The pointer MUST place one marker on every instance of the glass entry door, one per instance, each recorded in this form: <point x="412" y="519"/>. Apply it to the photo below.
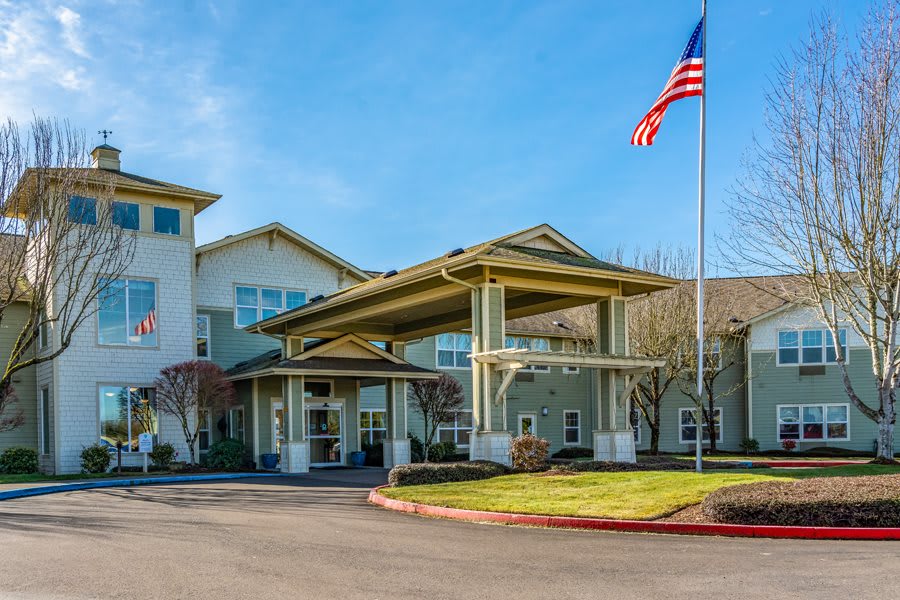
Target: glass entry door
<point x="324" y="430"/>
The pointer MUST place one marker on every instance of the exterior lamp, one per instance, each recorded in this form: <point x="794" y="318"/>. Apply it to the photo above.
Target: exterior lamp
<point x="545" y="411"/>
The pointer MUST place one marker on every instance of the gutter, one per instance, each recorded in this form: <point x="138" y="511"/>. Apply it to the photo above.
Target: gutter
<point x="446" y="275"/>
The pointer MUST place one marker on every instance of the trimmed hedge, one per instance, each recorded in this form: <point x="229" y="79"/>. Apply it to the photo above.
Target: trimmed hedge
<point x="574" y="452"/>
<point x="228" y="455"/>
<point x="428" y="473"/>
<point x="19" y="460"/>
<point x="655" y="463"/>
<point x="867" y="501"/>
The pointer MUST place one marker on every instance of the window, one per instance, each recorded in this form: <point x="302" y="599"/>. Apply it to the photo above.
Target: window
<point x="573" y="347"/>
<point x="809" y="346"/>
<point x="203" y="336"/>
<point x="166" y="220"/>
<point x="636" y="423"/>
<point x="453" y="350"/>
<point x="372" y="427"/>
<point x="126" y="215"/>
<point x="457" y="430"/>
<point x="572" y="427"/>
<point x="43" y="332"/>
<point x="127" y="314"/>
<point x="125" y="413"/>
<point x="253" y="304"/>
<point x="530" y="343"/>
<point x="813" y="422"/>
<point x="204" y="430"/>
<point x="236" y="423"/>
<point x="317" y="389"/>
<point x="83" y="210"/>
<point x="687" y="433"/>
<point x="715" y="356"/>
<point x="45" y="420"/>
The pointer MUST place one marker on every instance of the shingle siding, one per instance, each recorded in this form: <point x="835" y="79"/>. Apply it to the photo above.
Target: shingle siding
<point x="24" y="382"/>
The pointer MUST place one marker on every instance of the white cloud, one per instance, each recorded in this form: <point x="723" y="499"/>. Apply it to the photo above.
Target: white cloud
<point x="70" y="21"/>
<point x="765" y="12"/>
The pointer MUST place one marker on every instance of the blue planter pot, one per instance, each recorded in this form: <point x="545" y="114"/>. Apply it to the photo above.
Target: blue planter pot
<point x="358" y="459"/>
<point x="269" y="461"/>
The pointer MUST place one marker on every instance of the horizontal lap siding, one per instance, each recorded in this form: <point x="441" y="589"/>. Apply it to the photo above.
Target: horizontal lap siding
<point x="24" y="382"/>
<point x="231" y="345"/>
<point x="774" y="385"/>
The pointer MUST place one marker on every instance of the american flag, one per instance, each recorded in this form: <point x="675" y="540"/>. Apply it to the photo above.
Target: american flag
<point x="148" y="325"/>
<point x="686" y="80"/>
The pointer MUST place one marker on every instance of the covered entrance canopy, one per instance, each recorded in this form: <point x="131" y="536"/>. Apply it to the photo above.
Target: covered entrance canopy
<point x="479" y="288"/>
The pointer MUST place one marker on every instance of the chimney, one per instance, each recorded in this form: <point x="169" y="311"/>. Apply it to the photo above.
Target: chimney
<point x="106" y="157"/>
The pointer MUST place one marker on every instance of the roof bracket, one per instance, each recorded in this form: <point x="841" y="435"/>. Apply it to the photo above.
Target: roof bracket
<point x="508" y="378"/>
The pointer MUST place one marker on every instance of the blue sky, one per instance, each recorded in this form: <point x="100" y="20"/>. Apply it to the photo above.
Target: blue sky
<point x="390" y="132"/>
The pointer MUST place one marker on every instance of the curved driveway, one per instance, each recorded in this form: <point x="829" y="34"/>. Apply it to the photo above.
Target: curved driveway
<point x="316" y="537"/>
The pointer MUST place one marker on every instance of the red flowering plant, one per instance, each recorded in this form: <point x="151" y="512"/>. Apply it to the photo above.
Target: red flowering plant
<point x="788" y="445"/>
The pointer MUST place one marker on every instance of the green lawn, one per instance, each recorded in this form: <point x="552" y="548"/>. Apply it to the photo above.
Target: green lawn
<point x="765" y="457"/>
<point x="641" y="495"/>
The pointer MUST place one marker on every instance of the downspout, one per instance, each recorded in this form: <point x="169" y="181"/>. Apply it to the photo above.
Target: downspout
<point x="446" y="275"/>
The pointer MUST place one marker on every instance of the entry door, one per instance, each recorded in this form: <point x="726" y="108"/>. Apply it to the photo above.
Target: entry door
<point x="277" y="427"/>
<point x="325" y="433"/>
<point x="527" y="423"/>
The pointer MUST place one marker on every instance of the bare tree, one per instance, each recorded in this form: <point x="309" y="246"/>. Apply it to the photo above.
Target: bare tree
<point x="55" y="260"/>
<point x="720" y="354"/>
<point x="436" y="400"/>
<point x="188" y="389"/>
<point x="659" y="325"/>
<point x="821" y="196"/>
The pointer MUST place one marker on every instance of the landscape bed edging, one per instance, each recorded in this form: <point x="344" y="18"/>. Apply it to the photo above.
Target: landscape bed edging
<point x="106" y="483"/>
<point x="718" y="529"/>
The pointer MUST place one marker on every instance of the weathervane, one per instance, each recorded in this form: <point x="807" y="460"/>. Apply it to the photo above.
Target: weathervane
<point x="104" y="133"/>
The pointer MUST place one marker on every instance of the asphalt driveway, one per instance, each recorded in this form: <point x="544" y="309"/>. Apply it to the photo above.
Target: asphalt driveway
<point x="316" y="537"/>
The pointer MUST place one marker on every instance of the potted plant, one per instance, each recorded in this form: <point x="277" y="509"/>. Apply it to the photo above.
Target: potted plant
<point x="358" y="458"/>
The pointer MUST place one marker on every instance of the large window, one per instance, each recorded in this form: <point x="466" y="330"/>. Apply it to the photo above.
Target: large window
<point x="127" y="315"/>
<point x="236" y="423"/>
<point x="571" y="427"/>
<point x="372" y="426"/>
<point x="253" y="304"/>
<point x="457" y="430"/>
<point x="125" y="413"/>
<point x="83" y="210"/>
<point x="809" y="346"/>
<point x="529" y="343"/>
<point x="45" y="421"/>
<point x="804" y="422"/>
<point x="203" y="336"/>
<point x="453" y="350"/>
<point x="126" y="215"/>
<point x="687" y="433"/>
<point x="166" y="220"/>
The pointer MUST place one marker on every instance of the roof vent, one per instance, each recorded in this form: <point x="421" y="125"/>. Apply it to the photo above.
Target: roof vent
<point x="315" y="298"/>
<point x="456" y="252"/>
<point x="390" y="273"/>
<point x="106" y="157"/>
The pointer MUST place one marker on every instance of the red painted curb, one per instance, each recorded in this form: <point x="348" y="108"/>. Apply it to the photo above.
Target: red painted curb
<point x="723" y="529"/>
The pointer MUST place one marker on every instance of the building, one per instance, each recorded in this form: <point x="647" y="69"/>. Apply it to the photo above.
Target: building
<point x="321" y="351"/>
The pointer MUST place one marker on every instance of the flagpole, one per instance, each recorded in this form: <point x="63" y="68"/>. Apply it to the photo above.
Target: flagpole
<point x="698" y="419"/>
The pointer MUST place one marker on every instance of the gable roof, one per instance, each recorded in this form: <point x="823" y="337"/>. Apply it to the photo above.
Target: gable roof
<point x="509" y="249"/>
<point x="275" y="230"/>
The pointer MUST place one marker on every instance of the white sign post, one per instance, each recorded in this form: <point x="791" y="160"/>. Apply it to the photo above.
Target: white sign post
<point x="145" y="446"/>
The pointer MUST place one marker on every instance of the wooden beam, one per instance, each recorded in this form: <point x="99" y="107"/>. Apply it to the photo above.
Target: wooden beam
<point x="507" y="380"/>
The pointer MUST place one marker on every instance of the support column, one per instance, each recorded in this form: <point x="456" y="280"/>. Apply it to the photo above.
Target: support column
<point x="396" y="445"/>
<point x="610" y="442"/>
<point x="489" y="440"/>
<point x="295" y="450"/>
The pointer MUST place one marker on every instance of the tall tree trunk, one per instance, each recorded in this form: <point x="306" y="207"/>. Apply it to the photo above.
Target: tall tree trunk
<point x="654" y="432"/>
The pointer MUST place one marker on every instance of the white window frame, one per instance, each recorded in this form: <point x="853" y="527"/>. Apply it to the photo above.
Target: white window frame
<point x="570" y="346"/>
<point x="126" y="449"/>
<point x="259" y="306"/>
<point x="206" y="337"/>
<point x="231" y="425"/>
<point x="44" y="442"/>
<point x="532" y="416"/>
<point x="531" y="368"/>
<point x="204" y="426"/>
<point x="368" y="430"/>
<point x="800" y="363"/>
<point x="702" y="426"/>
<point x="637" y="428"/>
<point x="43" y="332"/>
<point x="577" y="428"/>
<point x="129" y="327"/>
<point x="456" y="428"/>
<point x="824" y="407"/>
<point x="438" y="349"/>
<point x="717" y="351"/>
